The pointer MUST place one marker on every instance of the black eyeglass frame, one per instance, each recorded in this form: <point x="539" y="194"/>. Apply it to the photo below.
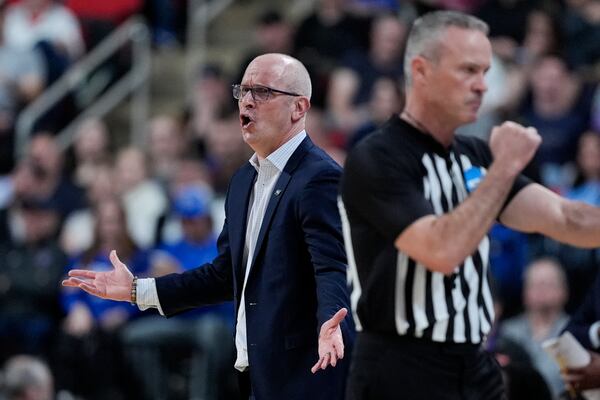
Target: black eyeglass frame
<point x="238" y="88"/>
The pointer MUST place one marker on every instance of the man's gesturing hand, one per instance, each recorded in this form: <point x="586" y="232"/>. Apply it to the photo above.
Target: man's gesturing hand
<point x="331" y="342"/>
<point x="113" y="285"/>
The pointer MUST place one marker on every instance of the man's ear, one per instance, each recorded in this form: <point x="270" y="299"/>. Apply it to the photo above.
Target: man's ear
<point x="301" y="107"/>
<point x="419" y="68"/>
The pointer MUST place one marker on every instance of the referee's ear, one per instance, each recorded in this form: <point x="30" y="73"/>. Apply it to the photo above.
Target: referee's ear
<point x="419" y="66"/>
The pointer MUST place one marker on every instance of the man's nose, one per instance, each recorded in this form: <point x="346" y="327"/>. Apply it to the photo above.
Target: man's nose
<point x="480" y="85"/>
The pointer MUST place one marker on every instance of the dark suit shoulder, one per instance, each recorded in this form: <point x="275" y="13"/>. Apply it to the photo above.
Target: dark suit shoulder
<point x="317" y="161"/>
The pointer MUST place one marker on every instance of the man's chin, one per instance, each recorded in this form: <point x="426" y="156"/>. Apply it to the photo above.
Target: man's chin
<point x="246" y="132"/>
<point x="470" y="117"/>
<point x="248" y="136"/>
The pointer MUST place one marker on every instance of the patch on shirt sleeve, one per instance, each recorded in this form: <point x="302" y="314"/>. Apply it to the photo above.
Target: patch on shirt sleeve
<point x="473" y="176"/>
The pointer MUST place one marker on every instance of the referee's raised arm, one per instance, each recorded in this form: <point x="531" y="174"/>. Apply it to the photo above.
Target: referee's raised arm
<point x="442" y="242"/>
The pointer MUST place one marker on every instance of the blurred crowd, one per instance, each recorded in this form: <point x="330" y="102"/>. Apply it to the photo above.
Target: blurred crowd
<point x="160" y="206"/>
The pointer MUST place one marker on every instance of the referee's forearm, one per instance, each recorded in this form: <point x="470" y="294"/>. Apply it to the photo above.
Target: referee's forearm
<point x="462" y="229"/>
<point x="581" y="227"/>
<point x="441" y="243"/>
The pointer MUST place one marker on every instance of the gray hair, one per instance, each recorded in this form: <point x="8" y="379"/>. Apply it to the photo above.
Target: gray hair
<point x="426" y="34"/>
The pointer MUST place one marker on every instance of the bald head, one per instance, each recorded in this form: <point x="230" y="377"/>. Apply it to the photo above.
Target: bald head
<point x="287" y="72"/>
<point x="269" y="121"/>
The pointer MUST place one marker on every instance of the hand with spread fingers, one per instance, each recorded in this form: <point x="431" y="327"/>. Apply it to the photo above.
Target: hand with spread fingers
<point x="112" y="285"/>
<point x="331" y="342"/>
<point x="584" y="378"/>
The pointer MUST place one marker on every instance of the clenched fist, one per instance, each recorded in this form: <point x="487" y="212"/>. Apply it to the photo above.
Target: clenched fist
<point x="513" y="146"/>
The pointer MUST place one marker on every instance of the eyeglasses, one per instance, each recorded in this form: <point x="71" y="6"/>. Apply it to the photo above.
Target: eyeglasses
<point x="259" y="93"/>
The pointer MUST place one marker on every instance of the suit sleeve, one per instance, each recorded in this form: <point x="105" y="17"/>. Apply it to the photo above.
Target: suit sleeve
<point x="211" y="283"/>
<point x="322" y="230"/>
<point x="586" y="315"/>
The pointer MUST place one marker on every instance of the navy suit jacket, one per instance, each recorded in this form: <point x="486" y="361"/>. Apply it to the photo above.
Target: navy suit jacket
<point x="586" y="315"/>
<point x="297" y="279"/>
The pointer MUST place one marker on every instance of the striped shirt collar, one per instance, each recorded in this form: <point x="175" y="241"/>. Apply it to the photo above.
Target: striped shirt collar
<point x="280" y="157"/>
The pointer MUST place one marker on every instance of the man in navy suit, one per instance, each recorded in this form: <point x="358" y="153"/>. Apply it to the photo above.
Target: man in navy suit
<point x="281" y="255"/>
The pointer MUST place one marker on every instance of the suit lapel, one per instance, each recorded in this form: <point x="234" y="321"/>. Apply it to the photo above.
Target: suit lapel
<point x="239" y="199"/>
<point x="278" y="192"/>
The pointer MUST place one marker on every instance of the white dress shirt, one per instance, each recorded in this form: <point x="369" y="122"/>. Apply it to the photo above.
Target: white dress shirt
<point x="269" y="170"/>
<point x="593" y="333"/>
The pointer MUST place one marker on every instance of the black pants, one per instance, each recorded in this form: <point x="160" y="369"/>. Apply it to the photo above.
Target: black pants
<point x="246" y="392"/>
<point x="393" y="367"/>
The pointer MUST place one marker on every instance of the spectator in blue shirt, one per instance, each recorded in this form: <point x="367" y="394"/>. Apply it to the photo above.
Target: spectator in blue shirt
<point x="89" y="346"/>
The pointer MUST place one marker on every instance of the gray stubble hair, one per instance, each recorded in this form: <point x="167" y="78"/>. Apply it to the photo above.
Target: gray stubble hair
<point x="426" y="34"/>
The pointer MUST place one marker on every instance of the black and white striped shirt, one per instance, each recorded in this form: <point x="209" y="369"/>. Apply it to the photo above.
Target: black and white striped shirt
<point x="392" y="178"/>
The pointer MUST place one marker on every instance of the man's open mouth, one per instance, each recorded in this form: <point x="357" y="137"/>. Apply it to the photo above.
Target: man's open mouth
<point x="246" y="120"/>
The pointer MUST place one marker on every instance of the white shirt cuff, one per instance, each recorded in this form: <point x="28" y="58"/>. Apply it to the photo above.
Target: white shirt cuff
<point x="147" y="296"/>
<point x="593" y="334"/>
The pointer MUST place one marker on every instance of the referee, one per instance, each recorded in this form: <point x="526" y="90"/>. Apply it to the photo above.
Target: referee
<point x="417" y="202"/>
